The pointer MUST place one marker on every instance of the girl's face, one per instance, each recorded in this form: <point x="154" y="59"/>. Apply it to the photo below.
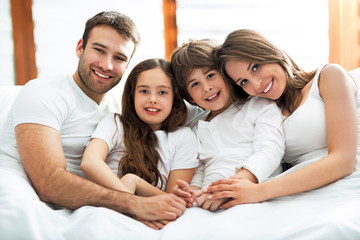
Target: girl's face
<point x="153" y="97"/>
<point x="208" y="89"/>
<point x="266" y="81"/>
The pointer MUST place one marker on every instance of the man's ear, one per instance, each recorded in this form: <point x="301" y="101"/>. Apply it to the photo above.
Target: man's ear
<point x="79" y="48"/>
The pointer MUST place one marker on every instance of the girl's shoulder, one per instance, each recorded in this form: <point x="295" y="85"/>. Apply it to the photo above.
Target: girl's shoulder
<point x="182" y="132"/>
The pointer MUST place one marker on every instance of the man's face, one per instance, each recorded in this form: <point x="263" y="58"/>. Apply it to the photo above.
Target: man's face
<point x="103" y="61"/>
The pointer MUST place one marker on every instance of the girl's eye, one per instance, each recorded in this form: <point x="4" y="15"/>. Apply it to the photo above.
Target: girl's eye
<point x="162" y="92"/>
<point x="255" y="67"/>
<point x="143" y="91"/>
<point x="194" y="84"/>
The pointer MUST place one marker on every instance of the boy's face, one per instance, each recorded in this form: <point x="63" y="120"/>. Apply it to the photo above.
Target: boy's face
<point x="208" y="89"/>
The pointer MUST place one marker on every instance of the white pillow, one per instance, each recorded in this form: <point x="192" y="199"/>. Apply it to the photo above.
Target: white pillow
<point x="7" y="97"/>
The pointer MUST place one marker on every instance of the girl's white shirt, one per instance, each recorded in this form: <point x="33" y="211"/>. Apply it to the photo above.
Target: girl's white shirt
<point x="178" y="149"/>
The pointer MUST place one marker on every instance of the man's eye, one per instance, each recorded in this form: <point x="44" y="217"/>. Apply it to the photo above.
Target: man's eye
<point x="99" y="50"/>
<point x="120" y="59"/>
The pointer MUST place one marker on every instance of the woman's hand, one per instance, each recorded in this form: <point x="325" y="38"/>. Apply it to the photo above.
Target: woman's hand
<point x="238" y="190"/>
<point x="207" y="203"/>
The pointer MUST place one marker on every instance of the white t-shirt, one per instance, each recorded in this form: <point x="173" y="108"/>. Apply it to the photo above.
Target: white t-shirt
<point x="60" y="104"/>
<point x="246" y="135"/>
<point x="178" y="149"/>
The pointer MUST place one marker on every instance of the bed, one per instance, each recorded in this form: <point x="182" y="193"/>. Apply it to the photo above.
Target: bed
<point x="331" y="212"/>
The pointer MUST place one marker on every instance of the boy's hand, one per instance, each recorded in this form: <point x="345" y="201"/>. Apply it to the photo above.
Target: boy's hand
<point x="182" y="189"/>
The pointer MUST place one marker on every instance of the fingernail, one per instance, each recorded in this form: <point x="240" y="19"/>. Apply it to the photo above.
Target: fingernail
<point x="209" y="197"/>
<point x="204" y="189"/>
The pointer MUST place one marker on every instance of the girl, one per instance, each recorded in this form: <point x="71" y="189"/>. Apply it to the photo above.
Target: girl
<point x="320" y="110"/>
<point x="145" y="145"/>
<point x="234" y="137"/>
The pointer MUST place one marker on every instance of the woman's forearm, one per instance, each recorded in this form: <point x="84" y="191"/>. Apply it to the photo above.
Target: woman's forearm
<point x="327" y="170"/>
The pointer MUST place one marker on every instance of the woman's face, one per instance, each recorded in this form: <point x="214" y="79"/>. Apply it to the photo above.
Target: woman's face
<point x="266" y="81"/>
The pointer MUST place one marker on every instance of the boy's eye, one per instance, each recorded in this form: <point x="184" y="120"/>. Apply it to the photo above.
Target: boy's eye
<point x="211" y="75"/>
<point x="255" y="67"/>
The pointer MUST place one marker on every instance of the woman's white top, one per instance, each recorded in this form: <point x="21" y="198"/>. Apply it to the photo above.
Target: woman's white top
<point x="178" y="149"/>
<point x="305" y="129"/>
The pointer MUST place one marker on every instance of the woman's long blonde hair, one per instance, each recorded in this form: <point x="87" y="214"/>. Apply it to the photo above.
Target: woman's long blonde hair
<point x="140" y="140"/>
<point x="248" y="45"/>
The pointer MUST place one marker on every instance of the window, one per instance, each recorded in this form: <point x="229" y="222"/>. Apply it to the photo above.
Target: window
<point x="6" y="46"/>
<point x="299" y="27"/>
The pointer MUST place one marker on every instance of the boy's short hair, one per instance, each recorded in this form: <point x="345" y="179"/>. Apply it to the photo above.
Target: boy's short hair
<point x="189" y="56"/>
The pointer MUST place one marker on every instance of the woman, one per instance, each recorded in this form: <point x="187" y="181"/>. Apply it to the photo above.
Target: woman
<point x="320" y="110"/>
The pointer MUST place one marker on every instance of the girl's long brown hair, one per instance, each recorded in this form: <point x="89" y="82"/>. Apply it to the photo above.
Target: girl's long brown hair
<point x="140" y="140"/>
<point x="248" y="45"/>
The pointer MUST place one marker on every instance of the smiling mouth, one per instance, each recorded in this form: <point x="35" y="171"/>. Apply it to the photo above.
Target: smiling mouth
<point x="152" y="109"/>
<point x="268" y="87"/>
<point x="101" y="75"/>
<point x="213" y="96"/>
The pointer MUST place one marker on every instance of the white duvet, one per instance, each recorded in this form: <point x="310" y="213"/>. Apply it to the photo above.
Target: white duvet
<point x="331" y="212"/>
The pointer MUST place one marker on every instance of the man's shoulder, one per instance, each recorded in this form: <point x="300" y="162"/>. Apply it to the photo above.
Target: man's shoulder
<point x="55" y="82"/>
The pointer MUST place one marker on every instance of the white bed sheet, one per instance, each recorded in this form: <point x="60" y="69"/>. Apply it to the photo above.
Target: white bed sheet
<point x="331" y="212"/>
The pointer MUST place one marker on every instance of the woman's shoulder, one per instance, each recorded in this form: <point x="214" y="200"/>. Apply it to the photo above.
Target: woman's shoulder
<point x="332" y="68"/>
<point x="334" y="76"/>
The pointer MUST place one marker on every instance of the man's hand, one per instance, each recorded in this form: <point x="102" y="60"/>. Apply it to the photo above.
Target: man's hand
<point x="160" y="207"/>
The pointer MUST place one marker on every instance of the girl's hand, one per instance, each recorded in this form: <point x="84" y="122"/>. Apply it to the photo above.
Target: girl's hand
<point x="238" y="190"/>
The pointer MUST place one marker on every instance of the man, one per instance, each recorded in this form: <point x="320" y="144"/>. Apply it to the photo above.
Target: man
<point x="53" y="120"/>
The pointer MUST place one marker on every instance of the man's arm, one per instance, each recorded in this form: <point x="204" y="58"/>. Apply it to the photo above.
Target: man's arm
<point x="43" y="158"/>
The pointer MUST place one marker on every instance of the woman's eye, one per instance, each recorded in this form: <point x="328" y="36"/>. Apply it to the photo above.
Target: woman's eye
<point x="255" y="67"/>
<point x="243" y="82"/>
